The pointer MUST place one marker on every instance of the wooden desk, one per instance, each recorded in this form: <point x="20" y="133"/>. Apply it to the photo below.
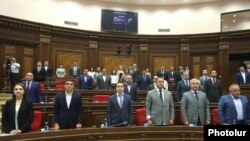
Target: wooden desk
<point x="96" y="112"/>
<point x="163" y="133"/>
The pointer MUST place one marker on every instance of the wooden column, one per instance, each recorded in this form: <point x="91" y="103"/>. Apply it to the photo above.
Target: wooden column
<point x="184" y="53"/>
<point x="44" y="49"/>
<point x="223" y="63"/>
<point x="144" y="59"/>
<point x="93" y="56"/>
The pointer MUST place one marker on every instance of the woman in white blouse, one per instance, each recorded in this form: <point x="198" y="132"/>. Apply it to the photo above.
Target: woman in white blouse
<point x="114" y="77"/>
<point x="18" y="113"/>
<point x="60" y="72"/>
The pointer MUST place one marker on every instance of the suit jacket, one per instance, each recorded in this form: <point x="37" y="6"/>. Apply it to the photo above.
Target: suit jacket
<point x="181" y="88"/>
<point x="203" y="80"/>
<point x="103" y="85"/>
<point x="39" y="76"/>
<point x="151" y="86"/>
<point x="88" y="84"/>
<point x="135" y="75"/>
<point x="239" y="78"/>
<point x="34" y="93"/>
<point x="213" y="91"/>
<point x="117" y="115"/>
<point x="132" y="92"/>
<point x="68" y="117"/>
<point x="227" y="110"/>
<point x="143" y="84"/>
<point x="159" y="112"/>
<point x="191" y="109"/>
<point x="165" y="75"/>
<point x="71" y="71"/>
<point x="24" y="118"/>
<point x="48" y="72"/>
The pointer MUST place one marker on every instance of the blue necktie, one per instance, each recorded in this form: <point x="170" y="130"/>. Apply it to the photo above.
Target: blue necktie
<point x="196" y="96"/>
<point x="161" y="96"/>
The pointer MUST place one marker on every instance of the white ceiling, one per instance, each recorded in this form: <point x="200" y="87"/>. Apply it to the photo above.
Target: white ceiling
<point x="156" y="2"/>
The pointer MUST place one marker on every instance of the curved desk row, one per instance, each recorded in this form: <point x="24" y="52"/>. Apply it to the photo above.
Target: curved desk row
<point x="160" y="133"/>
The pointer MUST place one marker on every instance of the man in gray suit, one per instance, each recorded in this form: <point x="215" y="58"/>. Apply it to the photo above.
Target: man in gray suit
<point x="103" y="81"/>
<point x="195" y="106"/>
<point x="159" y="105"/>
<point x="203" y="79"/>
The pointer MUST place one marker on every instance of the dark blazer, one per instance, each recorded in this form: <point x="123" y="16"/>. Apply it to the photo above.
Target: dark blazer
<point x="132" y="92"/>
<point x="239" y="78"/>
<point x="227" y="110"/>
<point x="68" y="117"/>
<point x="103" y="85"/>
<point x="135" y="75"/>
<point x="88" y="84"/>
<point x="34" y="93"/>
<point x="143" y="84"/>
<point x="213" y="91"/>
<point x="165" y="75"/>
<point x="117" y="115"/>
<point x="71" y="71"/>
<point x="181" y="88"/>
<point x="25" y="116"/>
<point x="48" y="72"/>
<point x="39" y="76"/>
<point x="151" y="86"/>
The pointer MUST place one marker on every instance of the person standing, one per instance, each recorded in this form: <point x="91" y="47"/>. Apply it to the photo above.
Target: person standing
<point x="195" y="105"/>
<point x="39" y="72"/>
<point x="159" y="105"/>
<point x="182" y="86"/>
<point x="13" y="73"/>
<point x="18" y="113"/>
<point x="68" y="108"/>
<point x="119" y="110"/>
<point x="203" y="79"/>
<point x="213" y="88"/>
<point x="130" y="88"/>
<point x="103" y="81"/>
<point x="232" y="108"/>
<point x="74" y="70"/>
<point x="33" y="90"/>
<point x="48" y="70"/>
<point x="85" y="81"/>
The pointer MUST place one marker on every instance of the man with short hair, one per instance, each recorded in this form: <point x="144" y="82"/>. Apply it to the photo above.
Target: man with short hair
<point x="159" y="105"/>
<point x="119" y="110"/>
<point x="68" y="108"/>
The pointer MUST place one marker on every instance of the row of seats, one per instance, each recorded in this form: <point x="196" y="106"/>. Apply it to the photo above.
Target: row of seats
<point x="140" y="118"/>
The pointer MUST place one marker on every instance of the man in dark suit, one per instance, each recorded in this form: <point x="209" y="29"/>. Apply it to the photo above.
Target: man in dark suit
<point x="153" y="85"/>
<point x="135" y="73"/>
<point x="85" y="81"/>
<point x="203" y="79"/>
<point x="182" y="86"/>
<point x="119" y="110"/>
<point x="163" y="73"/>
<point x="68" y="108"/>
<point x="74" y="70"/>
<point x="103" y="81"/>
<point x="48" y="70"/>
<point x="232" y="108"/>
<point x="213" y="88"/>
<point x="39" y="72"/>
<point x="144" y="81"/>
<point x="33" y="90"/>
<point x="173" y="75"/>
<point x="159" y="105"/>
<point x="242" y="77"/>
<point x="130" y="88"/>
<point x="194" y="105"/>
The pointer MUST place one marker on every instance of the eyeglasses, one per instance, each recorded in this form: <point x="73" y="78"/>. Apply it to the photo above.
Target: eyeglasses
<point x="69" y="83"/>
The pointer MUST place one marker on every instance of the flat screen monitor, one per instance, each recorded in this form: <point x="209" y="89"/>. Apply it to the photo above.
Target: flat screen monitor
<point x="119" y="21"/>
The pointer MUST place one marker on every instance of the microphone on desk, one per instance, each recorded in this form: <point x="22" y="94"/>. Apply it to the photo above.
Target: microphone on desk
<point x="123" y="124"/>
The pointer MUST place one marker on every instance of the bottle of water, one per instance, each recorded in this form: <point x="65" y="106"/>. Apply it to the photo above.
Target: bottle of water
<point x="234" y="122"/>
<point x="194" y="122"/>
<point x="46" y="126"/>
<point x="105" y="123"/>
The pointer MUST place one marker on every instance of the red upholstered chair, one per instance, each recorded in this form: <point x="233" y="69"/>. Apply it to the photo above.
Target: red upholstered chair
<point x="101" y="98"/>
<point x="215" y="117"/>
<point x="140" y="116"/>
<point x="42" y="87"/>
<point x="59" y="87"/>
<point x="60" y="80"/>
<point x="37" y="121"/>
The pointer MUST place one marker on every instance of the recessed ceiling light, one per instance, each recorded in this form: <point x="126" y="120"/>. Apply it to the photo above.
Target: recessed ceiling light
<point x="234" y="21"/>
<point x="235" y="15"/>
<point x="225" y="26"/>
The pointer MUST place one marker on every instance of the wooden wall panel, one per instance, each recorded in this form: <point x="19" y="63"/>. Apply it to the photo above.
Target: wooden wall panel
<point x="67" y="59"/>
<point x="111" y="62"/>
<point x="167" y="62"/>
<point x="27" y="66"/>
<point x="196" y="71"/>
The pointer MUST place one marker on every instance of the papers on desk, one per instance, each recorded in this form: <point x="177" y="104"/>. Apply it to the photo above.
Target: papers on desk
<point x="5" y="134"/>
